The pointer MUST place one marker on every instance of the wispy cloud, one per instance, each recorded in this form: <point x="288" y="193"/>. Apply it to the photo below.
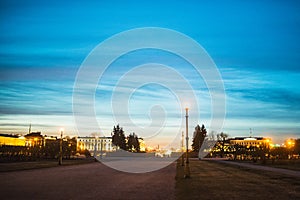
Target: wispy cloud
<point x="36" y="97"/>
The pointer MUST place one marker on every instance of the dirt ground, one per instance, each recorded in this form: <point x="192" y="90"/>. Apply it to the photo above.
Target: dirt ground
<point x="16" y="166"/>
<point x="87" y="181"/>
<point x="209" y="180"/>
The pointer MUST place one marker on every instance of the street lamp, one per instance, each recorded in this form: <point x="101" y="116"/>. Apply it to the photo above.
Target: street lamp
<point x="95" y="148"/>
<point x="60" y="147"/>
<point x="101" y="148"/>
<point x="182" y="149"/>
<point x="187" y="163"/>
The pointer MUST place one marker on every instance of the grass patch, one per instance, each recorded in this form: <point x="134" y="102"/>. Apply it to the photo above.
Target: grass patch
<point x="292" y="164"/>
<point x="213" y="180"/>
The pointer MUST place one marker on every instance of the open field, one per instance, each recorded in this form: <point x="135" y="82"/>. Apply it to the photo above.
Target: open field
<point x="293" y="164"/>
<point x="16" y="166"/>
<point x="209" y="180"/>
<point x="88" y="181"/>
<point x="215" y="180"/>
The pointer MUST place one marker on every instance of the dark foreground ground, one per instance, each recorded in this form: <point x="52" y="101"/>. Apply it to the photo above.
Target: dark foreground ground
<point x="209" y="180"/>
<point x="87" y="181"/>
<point x="221" y="180"/>
<point x="16" y="166"/>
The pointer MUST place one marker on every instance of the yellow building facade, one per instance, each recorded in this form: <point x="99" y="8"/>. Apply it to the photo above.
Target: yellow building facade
<point x="12" y="140"/>
<point x="251" y="141"/>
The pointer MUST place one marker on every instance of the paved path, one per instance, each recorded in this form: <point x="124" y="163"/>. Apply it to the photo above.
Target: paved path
<point x="265" y="168"/>
<point x="88" y="181"/>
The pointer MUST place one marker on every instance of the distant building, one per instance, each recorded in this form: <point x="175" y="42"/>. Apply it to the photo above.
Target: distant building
<point x="34" y="139"/>
<point x="251" y="141"/>
<point x="11" y="140"/>
<point x="142" y="144"/>
<point x="103" y="144"/>
<point x="289" y="143"/>
<point x="49" y="139"/>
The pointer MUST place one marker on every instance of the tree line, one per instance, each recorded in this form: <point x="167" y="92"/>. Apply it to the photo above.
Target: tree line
<point x="130" y="143"/>
<point x="223" y="148"/>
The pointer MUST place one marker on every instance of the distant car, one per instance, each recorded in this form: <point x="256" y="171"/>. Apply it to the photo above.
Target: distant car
<point x="167" y="153"/>
<point x="158" y="154"/>
<point x="163" y="154"/>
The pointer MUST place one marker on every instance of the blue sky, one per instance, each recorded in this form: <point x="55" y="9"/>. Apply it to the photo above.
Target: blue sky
<point x="255" y="45"/>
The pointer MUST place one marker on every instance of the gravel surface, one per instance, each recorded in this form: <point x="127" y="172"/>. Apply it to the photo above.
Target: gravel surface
<point x="88" y="181"/>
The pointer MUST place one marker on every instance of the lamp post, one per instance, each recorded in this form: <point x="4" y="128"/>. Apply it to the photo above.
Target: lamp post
<point x="60" y="147"/>
<point x="187" y="163"/>
<point x="101" y="148"/>
<point x="182" y="149"/>
<point x="95" y="148"/>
